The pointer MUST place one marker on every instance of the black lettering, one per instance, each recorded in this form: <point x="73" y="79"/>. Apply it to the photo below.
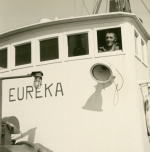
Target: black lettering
<point x="47" y="88"/>
<point x="29" y="91"/>
<point x="19" y="93"/>
<point x="10" y="95"/>
<point x="59" y="90"/>
<point x="37" y="93"/>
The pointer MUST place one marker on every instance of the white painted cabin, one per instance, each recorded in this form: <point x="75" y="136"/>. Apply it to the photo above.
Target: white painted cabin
<point x="72" y="111"/>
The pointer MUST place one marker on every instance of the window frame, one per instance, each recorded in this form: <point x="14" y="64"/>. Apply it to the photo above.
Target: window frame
<point x="47" y="37"/>
<point x="139" y="55"/>
<point x="90" y="41"/>
<point x="8" y="58"/>
<point x="144" y="52"/>
<point x="137" y="43"/>
<point x="14" y="67"/>
<point x="114" y="53"/>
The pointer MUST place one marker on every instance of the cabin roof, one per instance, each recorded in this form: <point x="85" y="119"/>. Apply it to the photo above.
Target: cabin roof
<point x="76" y="19"/>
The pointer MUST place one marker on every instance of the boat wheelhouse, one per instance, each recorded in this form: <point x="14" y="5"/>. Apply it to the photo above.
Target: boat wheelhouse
<point x="90" y="100"/>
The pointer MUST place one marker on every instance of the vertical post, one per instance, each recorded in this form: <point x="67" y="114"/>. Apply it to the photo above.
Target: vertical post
<point x="0" y="111"/>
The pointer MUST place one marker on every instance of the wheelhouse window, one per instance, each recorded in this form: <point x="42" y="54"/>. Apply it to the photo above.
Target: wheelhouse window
<point x="78" y="45"/>
<point x="23" y="54"/>
<point x="3" y="58"/>
<point x="49" y="49"/>
<point x="142" y="50"/>
<point x="136" y="42"/>
<point x="109" y="40"/>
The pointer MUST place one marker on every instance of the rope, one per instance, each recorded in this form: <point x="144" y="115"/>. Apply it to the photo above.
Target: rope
<point x="120" y="76"/>
<point x="94" y="6"/>
<point x="85" y="7"/>
<point x="116" y="87"/>
<point x="145" y="6"/>
<point x="82" y="9"/>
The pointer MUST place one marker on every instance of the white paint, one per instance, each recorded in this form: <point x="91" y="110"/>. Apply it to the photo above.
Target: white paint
<point x="87" y="117"/>
<point x="44" y="20"/>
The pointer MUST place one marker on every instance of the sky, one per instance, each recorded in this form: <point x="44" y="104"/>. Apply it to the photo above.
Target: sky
<point x="18" y="13"/>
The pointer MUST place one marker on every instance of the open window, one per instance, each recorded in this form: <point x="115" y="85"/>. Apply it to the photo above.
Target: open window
<point x="109" y="40"/>
<point x="78" y="45"/>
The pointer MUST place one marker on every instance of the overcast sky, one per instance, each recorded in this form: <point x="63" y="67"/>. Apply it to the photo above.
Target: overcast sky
<point x="18" y="13"/>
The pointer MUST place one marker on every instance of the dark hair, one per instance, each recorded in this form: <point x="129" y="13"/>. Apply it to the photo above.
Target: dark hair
<point x="111" y="31"/>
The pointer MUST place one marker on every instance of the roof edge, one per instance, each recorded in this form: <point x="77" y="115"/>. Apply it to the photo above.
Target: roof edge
<point x="76" y="19"/>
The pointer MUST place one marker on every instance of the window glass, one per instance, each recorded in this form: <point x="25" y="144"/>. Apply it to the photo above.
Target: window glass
<point x="113" y="7"/>
<point x="3" y="59"/>
<point x="49" y="49"/>
<point x="119" y="5"/>
<point x="78" y="45"/>
<point x="109" y="40"/>
<point x="23" y="54"/>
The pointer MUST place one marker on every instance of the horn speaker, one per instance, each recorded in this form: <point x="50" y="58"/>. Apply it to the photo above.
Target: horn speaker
<point x="101" y="72"/>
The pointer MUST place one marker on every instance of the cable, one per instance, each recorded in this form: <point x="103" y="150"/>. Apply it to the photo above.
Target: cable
<point x="85" y="7"/>
<point x="116" y="86"/>
<point x="97" y="6"/>
<point x="121" y="77"/>
<point x="82" y="9"/>
<point x="75" y="6"/>
<point x="145" y="6"/>
<point x="94" y="6"/>
<point x="116" y="90"/>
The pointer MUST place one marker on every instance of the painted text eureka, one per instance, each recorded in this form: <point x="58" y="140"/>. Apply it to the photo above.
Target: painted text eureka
<point x="28" y="92"/>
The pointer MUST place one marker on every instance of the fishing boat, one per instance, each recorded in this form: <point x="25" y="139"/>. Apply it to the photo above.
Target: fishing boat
<point x="76" y="84"/>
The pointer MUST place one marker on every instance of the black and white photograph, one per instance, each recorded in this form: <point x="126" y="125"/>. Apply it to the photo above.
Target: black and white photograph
<point x="75" y="76"/>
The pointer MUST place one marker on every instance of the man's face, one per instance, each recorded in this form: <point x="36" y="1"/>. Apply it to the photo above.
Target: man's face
<point x="110" y="39"/>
